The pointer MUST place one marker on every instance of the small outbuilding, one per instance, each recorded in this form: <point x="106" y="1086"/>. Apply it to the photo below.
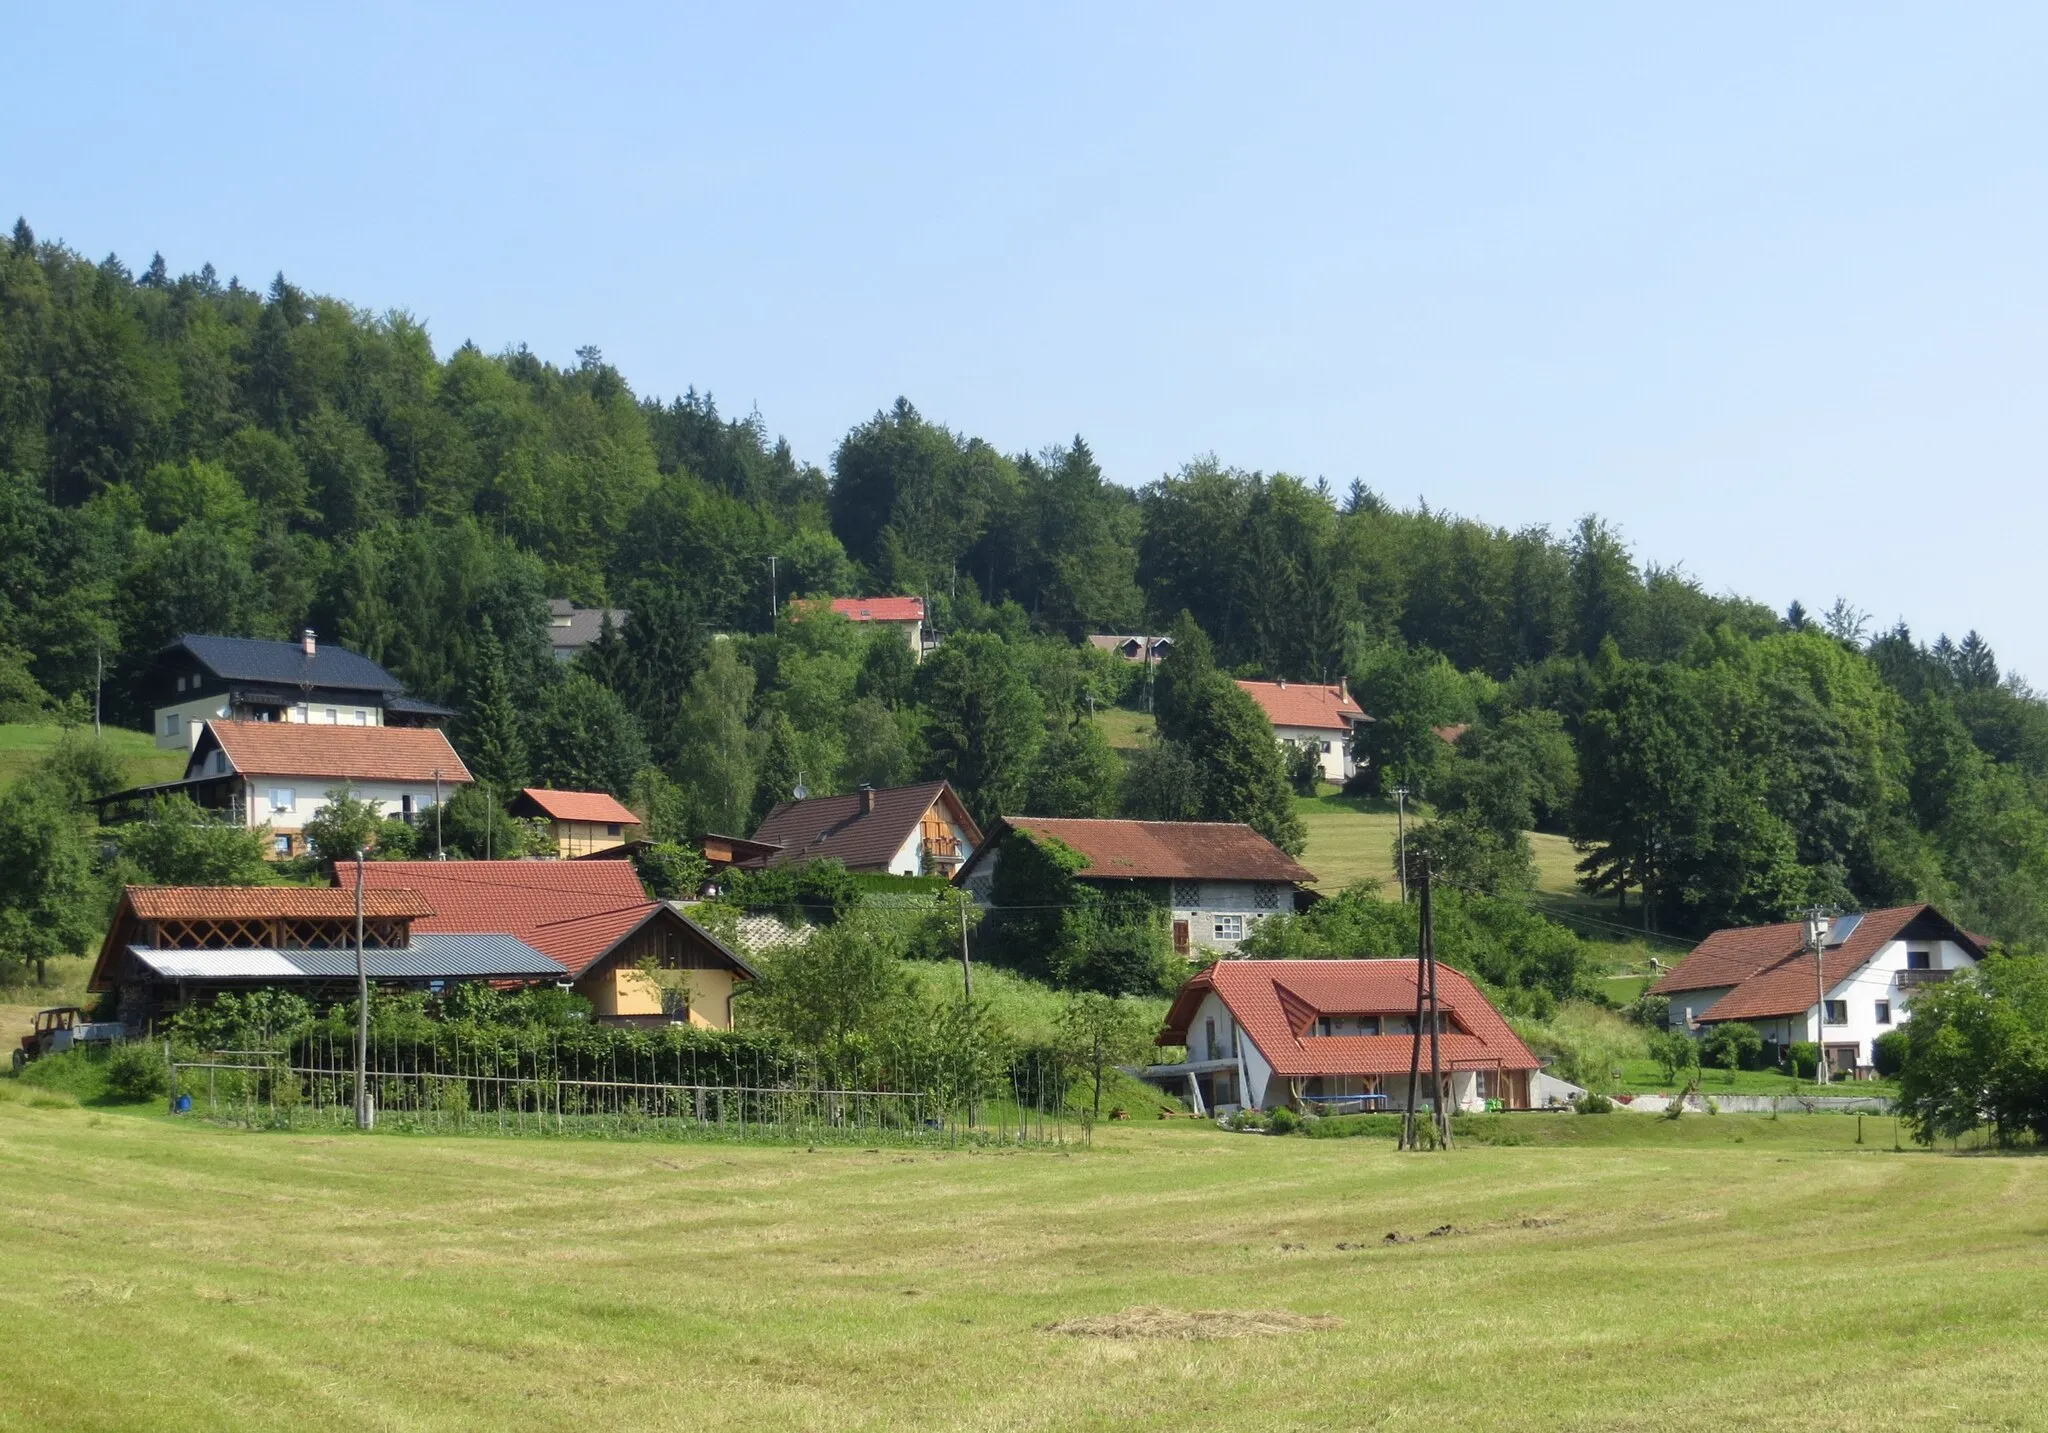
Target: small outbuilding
<point x="583" y="823"/>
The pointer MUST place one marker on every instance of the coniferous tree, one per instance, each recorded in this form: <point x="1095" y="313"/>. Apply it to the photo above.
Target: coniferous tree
<point x="494" y="746"/>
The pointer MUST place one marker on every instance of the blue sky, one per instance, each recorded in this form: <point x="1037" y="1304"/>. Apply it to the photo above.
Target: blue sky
<point x="1764" y="286"/>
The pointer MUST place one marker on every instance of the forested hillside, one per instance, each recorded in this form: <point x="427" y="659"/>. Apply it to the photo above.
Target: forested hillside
<point x="186" y="454"/>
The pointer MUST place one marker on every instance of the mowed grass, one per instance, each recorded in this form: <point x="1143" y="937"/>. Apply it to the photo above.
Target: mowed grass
<point x="1126" y="730"/>
<point x="1622" y="1272"/>
<point x="24" y="744"/>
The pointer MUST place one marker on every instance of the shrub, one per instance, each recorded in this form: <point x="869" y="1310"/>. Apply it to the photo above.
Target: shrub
<point x="1675" y="1052"/>
<point x="1595" y="1104"/>
<point x="1284" y="1121"/>
<point x="136" y="1072"/>
<point x="1803" y="1057"/>
<point x="1652" y="1012"/>
<point x="1888" y="1052"/>
<point x="1733" y="1046"/>
<point x="1246" y="1119"/>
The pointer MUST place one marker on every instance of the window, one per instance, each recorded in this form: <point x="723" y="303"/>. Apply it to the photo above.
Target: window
<point x="1918" y="960"/>
<point x="1209" y="1027"/>
<point x="1834" y="1012"/>
<point x="1187" y="894"/>
<point x="170" y="723"/>
<point x="1229" y="927"/>
<point x="282" y="845"/>
<point x="362" y="717"/>
<point x="1266" y="896"/>
<point x="1326" y="748"/>
<point x="405" y="806"/>
<point x="333" y="716"/>
<point x="1884" y="1012"/>
<point x="611" y="828"/>
<point x="181" y="684"/>
<point x="282" y="798"/>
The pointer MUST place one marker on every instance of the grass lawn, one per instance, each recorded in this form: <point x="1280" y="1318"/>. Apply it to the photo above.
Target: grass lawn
<point x="1126" y="730"/>
<point x="21" y="746"/>
<point x="1617" y="1272"/>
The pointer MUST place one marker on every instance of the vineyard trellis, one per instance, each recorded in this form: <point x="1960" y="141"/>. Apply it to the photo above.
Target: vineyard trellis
<point x="547" y="1086"/>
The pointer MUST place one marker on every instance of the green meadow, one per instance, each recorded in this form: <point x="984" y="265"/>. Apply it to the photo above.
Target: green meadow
<point x="1580" y="1272"/>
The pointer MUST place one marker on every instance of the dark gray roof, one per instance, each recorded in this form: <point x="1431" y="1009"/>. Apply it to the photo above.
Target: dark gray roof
<point x="835" y="827"/>
<point x="246" y="659"/>
<point x="417" y="706"/>
<point x="571" y="627"/>
<point x="429" y="957"/>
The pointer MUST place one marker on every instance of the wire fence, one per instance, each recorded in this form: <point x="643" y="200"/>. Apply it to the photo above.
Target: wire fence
<point x="544" y="1087"/>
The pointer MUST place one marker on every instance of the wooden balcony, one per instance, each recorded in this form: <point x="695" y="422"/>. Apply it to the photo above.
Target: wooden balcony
<point x="1914" y="979"/>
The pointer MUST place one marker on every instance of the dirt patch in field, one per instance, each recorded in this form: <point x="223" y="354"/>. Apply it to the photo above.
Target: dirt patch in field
<point x="1195" y="1324"/>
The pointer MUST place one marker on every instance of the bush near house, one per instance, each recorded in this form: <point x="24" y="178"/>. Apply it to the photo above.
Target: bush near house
<point x="1888" y="1052"/>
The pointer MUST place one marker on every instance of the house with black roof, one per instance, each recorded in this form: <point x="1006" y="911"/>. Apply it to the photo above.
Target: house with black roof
<point x="198" y="679"/>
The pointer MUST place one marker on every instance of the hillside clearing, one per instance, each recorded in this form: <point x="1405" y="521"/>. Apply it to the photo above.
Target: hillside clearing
<point x="183" y="1276"/>
<point x="23" y="744"/>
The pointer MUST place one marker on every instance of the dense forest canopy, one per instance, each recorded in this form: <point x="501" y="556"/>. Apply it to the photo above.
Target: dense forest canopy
<point x="185" y="454"/>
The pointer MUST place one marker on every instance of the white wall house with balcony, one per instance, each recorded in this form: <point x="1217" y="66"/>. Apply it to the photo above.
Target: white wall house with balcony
<point x="1844" y="989"/>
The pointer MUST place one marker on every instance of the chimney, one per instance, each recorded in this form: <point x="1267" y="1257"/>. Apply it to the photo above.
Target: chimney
<point x="307" y="644"/>
<point x="1283" y="684"/>
<point x="867" y="799"/>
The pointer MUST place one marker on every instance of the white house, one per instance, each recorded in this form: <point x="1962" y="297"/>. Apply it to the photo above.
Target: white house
<point x="1317" y="716"/>
<point x="198" y="679"/>
<point x="1217" y="879"/>
<point x="921" y="830"/>
<point x="1869" y="968"/>
<point x="279" y="773"/>
<point x="1338" y="1034"/>
<point x="905" y="614"/>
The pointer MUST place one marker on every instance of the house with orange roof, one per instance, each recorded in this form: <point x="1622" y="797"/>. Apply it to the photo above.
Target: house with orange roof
<point x="278" y="774"/>
<point x="637" y="961"/>
<point x="1334" y="1035"/>
<point x="906" y="615"/>
<point x="1321" y="717"/>
<point x="1858" y="987"/>
<point x="583" y="823"/>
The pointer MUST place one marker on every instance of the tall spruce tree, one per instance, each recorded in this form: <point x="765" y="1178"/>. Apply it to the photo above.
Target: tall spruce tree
<point x="493" y="744"/>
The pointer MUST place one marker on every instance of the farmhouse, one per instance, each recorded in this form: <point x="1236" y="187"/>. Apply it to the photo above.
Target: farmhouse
<point x="1319" y="717"/>
<point x="572" y="628"/>
<point x="200" y="679"/>
<point x="921" y="830"/>
<point x="278" y="774"/>
<point x="1870" y="967"/>
<point x="1217" y="879"/>
<point x="637" y="961"/>
<point x="1338" y="1034"/>
<point x="904" y="614"/>
<point x="172" y="946"/>
<point x="583" y="823"/>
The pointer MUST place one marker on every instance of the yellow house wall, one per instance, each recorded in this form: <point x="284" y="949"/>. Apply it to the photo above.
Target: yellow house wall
<point x="580" y="838"/>
<point x="630" y="991"/>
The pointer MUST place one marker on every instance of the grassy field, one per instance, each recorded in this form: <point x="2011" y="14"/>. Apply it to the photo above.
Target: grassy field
<point x="21" y="746"/>
<point x="1617" y="1272"/>
<point x="1126" y="730"/>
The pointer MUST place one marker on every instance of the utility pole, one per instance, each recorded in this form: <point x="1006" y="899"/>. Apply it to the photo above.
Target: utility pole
<point x="1817" y="935"/>
<point x="490" y="817"/>
<point x="365" y="1117"/>
<point x="1408" y="1140"/>
<point x="1439" y="1103"/>
<point x="772" y="612"/>
<point x="966" y="966"/>
<point x="99" y="675"/>
<point x="1401" y="838"/>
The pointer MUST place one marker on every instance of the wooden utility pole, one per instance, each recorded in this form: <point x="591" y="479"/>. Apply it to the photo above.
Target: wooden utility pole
<point x="1439" y="1102"/>
<point x="1408" y="1140"/>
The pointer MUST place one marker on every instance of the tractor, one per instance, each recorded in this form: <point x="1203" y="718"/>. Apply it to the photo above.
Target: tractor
<point x="59" y="1029"/>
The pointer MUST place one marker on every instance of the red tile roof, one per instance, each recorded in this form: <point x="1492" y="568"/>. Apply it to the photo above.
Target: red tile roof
<point x="274" y="902"/>
<point x="880" y="609"/>
<point x="835" y="827"/>
<point x="360" y="753"/>
<point x="580" y="806"/>
<point x="1167" y="850"/>
<point x="571" y="911"/>
<point x="1771" y="966"/>
<point x="1307" y="704"/>
<point x="1276" y="1003"/>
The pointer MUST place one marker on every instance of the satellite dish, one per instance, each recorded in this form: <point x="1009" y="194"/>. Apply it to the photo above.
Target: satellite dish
<point x="802" y="792"/>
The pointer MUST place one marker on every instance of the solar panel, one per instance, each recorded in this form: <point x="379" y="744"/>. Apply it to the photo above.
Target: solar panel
<point x="1842" y="927"/>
